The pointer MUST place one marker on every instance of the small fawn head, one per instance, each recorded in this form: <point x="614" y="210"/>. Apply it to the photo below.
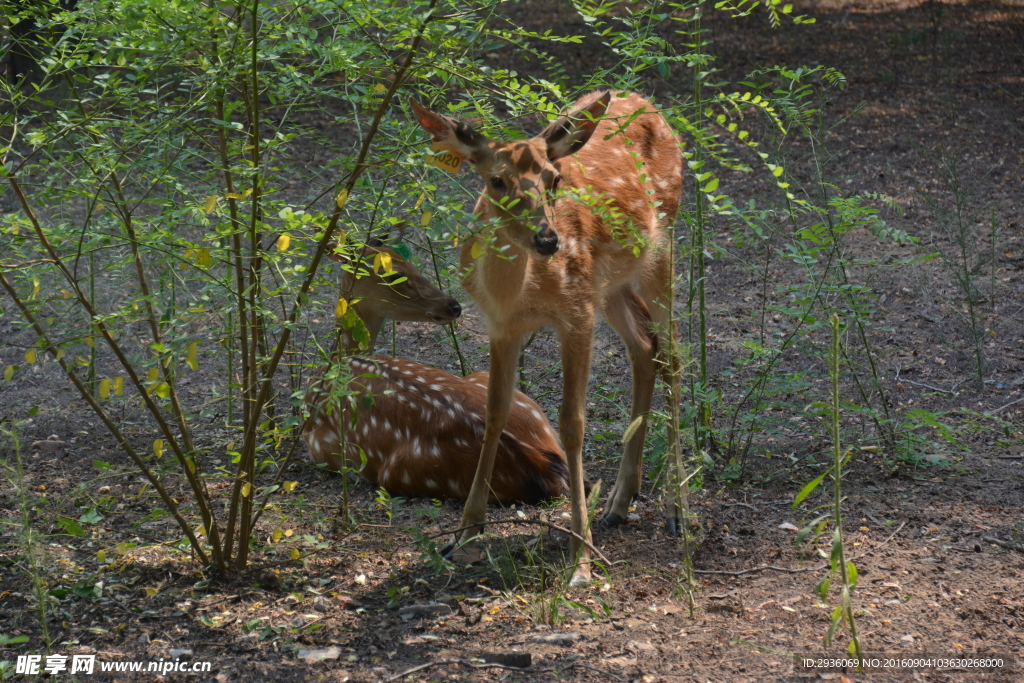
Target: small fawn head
<point x="402" y="294"/>
<point x="520" y="176"/>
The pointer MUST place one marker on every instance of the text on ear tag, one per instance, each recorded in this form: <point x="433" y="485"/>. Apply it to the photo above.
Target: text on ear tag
<point x="446" y="160"/>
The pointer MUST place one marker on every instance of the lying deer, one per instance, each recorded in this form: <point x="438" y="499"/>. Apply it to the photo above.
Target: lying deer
<point x="573" y="225"/>
<point x="423" y="434"/>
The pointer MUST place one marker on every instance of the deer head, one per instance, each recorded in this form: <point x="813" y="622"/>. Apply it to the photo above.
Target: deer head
<point x="520" y="176"/>
<point x="402" y="294"/>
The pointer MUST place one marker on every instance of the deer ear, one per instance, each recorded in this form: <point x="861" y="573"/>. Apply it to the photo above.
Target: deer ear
<point x="451" y="134"/>
<point x="569" y="133"/>
<point x="332" y="253"/>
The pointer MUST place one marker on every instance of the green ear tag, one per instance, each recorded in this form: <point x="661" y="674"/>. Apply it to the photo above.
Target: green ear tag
<point x="403" y="250"/>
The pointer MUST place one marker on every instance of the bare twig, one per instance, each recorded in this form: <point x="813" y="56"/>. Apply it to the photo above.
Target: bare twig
<point x="1003" y="544"/>
<point x="787" y="570"/>
<point x="495" y="665"/>
<point x="541" y="522"/>
<point x="1000" y="409"/>
<point x="927" y="386"/>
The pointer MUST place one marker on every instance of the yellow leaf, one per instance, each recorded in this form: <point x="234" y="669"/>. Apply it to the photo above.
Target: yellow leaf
<point x="190" y="357"/>
<point x="276" y="535"/>
<point x="419" y="202"/>
<point x="289" y="533"/>
<point x="203" y="257"/>
<point x="8" y="373"/>
<point x="67" y="294"/>
<point x="295" y="553"/>
<point x="104" y="388"/>
<point x="210" y="204"/>
<point x="158" y="448"/>
<point x="150" y="592"/>
<point x="30" y="356"/>
<point x="35" y="288"/>
<point x="425" y="219"/>
<point x="162" y="389"/>
<point x="118" y="386"/>
<point x="191" y="465"/>
<point x="246" y="489"/>
<point x="201" y="529"/>
<point x="89" y="342"/>
<point x="102" y="556"/>
<point x="341" y="199"/>
<point x="60" y="353"/>
<point x="476" y="250"/>
<point x="379" y="88"/>
<point x="121" y="548"/>
<point x="340" y="308"/>
<point x="283" y="241"/>
<point x="153" y="374"/>
<point x="289" y="485"/>
<point x="382" y="261"/>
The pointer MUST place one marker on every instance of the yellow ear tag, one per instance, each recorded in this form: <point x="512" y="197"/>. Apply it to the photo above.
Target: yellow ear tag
<point x="446" y="160"/>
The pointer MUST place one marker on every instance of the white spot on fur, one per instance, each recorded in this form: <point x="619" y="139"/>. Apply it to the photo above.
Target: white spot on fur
<point x="430" y="484"/>
<point x="536" y="414"/>
<point x="405" y="478"/>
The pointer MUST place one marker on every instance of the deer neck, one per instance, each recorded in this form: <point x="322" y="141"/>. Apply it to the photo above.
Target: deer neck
<point x="373" y="325"/>
<point x="497" y="278"/>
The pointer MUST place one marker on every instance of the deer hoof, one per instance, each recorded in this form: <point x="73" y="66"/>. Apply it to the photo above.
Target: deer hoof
<point x="468" y="554"/>
<point x="447" y="549"/>
<point x="612" y="519"/>
<point x="672" y="526"/>
<point x="580" y="579"/>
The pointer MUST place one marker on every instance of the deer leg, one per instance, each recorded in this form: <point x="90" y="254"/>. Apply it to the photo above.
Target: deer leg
<point x="628" y="315"/>
<point x="504" y="354"/>
<point x="577" y="347"/>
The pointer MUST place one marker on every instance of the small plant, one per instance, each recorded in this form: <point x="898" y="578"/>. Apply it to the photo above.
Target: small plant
<point x="16" y="477"/>
<point x="839" y="567"/>
<point x="956" y="239"/>
<point x="388" y="503"/>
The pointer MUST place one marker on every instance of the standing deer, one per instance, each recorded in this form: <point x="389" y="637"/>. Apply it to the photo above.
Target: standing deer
<point x="423" y="434"/>
<point x="571" y="230"/>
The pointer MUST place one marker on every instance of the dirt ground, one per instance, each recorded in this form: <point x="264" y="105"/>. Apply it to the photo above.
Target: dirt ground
<point x="934" y="581"/>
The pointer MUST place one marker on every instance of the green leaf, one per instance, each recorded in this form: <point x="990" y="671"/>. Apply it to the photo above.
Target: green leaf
<point x="71" y="526"/>
<point x="91" y="517"/>
<point x="807" y="489"/>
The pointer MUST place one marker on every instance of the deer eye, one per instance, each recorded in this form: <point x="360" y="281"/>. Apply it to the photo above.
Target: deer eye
<point x="497" y="183"/>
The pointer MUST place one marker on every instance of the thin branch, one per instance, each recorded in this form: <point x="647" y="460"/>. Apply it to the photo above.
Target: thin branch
<point x="495" y="665"/>
<point x="541" y="522"/>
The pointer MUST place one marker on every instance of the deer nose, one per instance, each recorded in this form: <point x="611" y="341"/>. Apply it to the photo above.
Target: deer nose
<point x="454" y="307"/>
<point x="545" y="241"/>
